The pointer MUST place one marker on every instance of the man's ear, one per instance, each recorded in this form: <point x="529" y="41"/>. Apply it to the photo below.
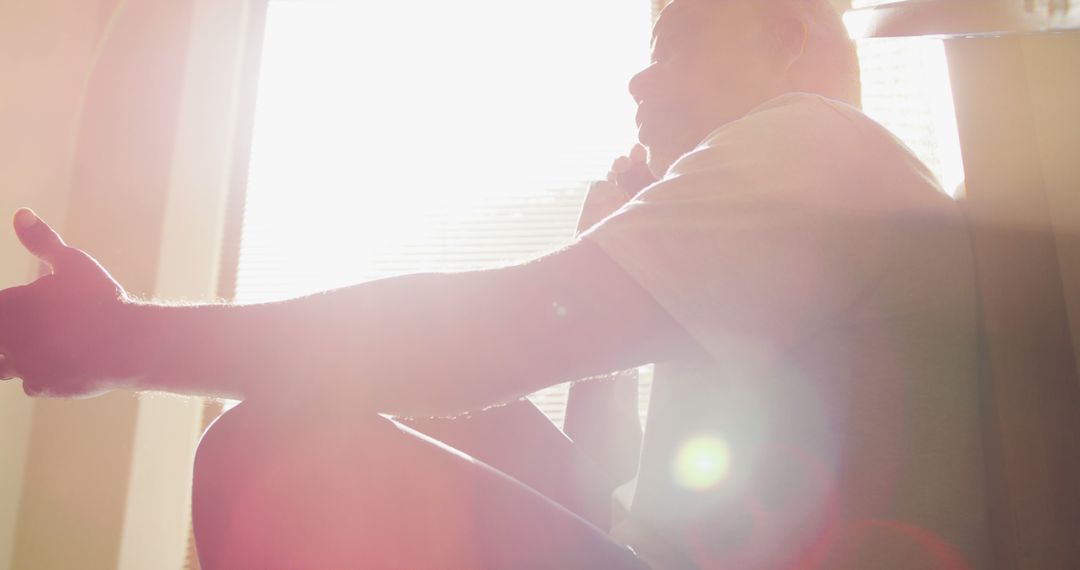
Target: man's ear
<point x="789" y="35"/>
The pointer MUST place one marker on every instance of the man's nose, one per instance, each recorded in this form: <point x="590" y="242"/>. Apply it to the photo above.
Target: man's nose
<point x="641" y="82"/>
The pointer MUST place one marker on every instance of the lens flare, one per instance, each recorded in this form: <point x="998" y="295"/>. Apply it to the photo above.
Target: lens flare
<point x="702" y="462"/>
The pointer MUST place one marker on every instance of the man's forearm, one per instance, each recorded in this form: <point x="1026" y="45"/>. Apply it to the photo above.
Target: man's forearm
<point x="218" y="350"/>
<point x="424" y="343"/>
<point x="381" y="343"/>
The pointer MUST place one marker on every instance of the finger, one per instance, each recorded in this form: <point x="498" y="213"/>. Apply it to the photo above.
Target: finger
<point x="635" y="179"/>
<point x="621" y="164"/>
<point x="12" y="308"/>
<point x="9" y="297"/>
<point x="638" y="153"/>
<point x="38" y="238"/>
<point x="7" y="371"/>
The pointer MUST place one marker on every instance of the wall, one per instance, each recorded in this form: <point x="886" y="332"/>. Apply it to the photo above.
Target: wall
<point x="1019" y="123"/>
<point x="1055" y="92"/>
<point x="115" y="122"/>
<point x="46" y="49"/>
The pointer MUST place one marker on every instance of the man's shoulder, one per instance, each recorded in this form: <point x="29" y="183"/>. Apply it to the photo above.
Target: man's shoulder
<point x="799" y="128"/>
<point x="799" y="117"/>
<point x="809" y="146"/>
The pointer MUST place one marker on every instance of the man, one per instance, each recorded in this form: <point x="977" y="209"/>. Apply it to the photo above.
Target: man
<point x="798" y="275"/>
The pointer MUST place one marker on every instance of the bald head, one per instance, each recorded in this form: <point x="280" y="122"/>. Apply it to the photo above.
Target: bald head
<point x="715" y="60"/>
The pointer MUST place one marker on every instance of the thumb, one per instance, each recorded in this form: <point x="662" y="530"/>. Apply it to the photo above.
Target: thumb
<point x="37" y="237"/>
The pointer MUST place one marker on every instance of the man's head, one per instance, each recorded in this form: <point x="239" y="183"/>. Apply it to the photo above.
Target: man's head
<point x="715" y="60"/>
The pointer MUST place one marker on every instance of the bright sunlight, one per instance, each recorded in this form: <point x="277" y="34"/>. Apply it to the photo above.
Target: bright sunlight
<point x="398" y="136"/>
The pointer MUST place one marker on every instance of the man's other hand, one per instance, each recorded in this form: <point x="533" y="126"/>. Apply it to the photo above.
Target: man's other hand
<point x="58" y="334"/>
<point x="628" y="175"/>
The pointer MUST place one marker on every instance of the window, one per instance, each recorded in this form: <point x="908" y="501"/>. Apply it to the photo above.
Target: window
<point x="393" y="137"/>
<point x="905" y="86"/>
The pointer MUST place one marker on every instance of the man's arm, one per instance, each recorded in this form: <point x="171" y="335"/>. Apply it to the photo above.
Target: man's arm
<point x="412" y="344"/>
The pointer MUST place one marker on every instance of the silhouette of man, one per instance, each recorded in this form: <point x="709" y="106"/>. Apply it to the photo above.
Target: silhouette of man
<point x="799" y="277"/>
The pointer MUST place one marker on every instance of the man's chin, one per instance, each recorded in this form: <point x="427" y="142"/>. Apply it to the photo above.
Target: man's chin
<point x="658" y="162"/>
<point x="664" y="148"/>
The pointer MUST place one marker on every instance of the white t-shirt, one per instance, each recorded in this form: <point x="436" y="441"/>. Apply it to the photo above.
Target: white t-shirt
<point x="835" y="406"/>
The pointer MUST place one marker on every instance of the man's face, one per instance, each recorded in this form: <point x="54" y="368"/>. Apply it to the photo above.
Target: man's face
<point x="710" y="65"/>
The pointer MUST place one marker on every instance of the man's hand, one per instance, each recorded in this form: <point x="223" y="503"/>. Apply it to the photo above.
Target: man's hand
<point x="628" y="176"/>
<point x="601" y="415"/>
<point x="59" y="333"/>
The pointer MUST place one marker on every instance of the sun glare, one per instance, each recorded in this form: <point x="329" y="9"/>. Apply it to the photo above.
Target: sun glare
<point x="383" y="126"/>
<point x="702" y="462"/>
